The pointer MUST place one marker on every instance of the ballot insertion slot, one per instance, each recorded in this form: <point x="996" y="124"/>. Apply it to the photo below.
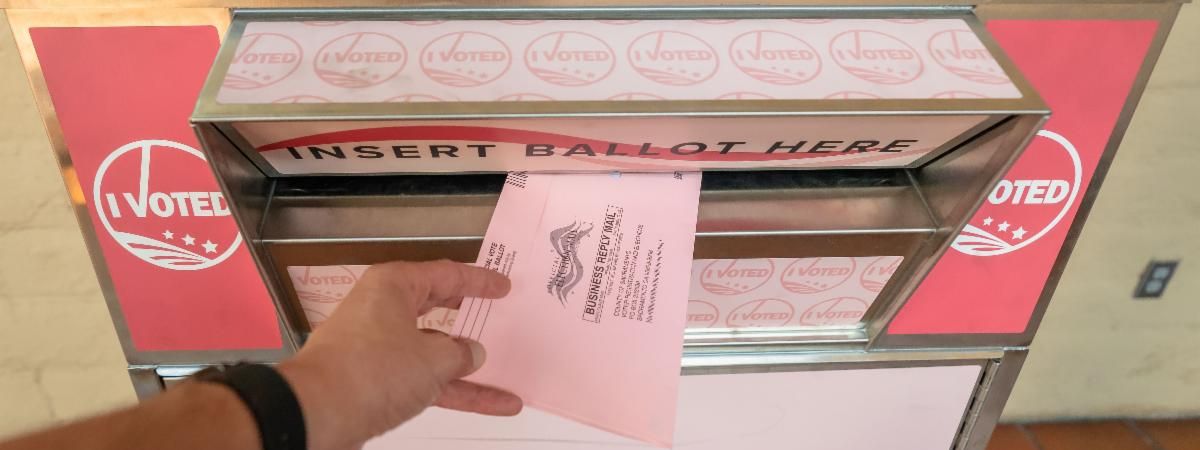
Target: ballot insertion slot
<point x="317" y="221"/>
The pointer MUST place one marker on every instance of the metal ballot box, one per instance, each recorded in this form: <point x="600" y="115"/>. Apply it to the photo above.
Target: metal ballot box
<point x="832" y="183"/>
<point x="841" y="151"/>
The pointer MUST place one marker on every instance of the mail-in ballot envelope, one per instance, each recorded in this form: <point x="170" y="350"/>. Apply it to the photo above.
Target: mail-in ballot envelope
<point x="593" y="327"/>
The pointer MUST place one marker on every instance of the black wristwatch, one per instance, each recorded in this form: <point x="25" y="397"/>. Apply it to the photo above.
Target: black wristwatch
<point x="270" y="399"/>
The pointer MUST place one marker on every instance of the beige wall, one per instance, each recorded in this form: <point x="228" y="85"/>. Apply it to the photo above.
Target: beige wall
<point x="1099" y="353"/>
<point x="59" y="356"/>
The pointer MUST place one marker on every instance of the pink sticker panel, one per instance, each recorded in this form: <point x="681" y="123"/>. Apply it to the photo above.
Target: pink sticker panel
<point x="178" y="267"/>
<point x="565" y="60"/>
<point x="997" y="268"/>
<point x="911" y="408"/>
<point x="786" y="292"/>
<point x="724" y="293"/>
<point x="321" y="289"/>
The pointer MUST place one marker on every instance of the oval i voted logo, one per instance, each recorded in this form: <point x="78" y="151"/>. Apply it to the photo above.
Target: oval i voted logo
<point x="835" y="311"/>
<point x="302" y="99"/>
<point x="701" y="314"/>
<point x="876" y="275"/>
<point x="736" y="276"/>
<point x="673" y="58"/>
<point x="851" y="95"/>
<point x="958" y="94"/>
<point x="812" y="275"/>
<point x="570" y="58"/>
<point x="315" y="318"/>
<point x="636" y="96"/>
<point x="775" y="57"/>
<point x="524" y="97"/>
<point x="158" y="201"/>
<point x="1034" y="196"/>
<point x="414" y="98"/>
<point x="961" y="52"/>
<point x="359" y="60"/>
<point x="876" y="57"/>
<point x="767" y="312"/>
<point x="744" y="95"/>
<point x="262" y="59"/>
<point x="465" y="59"/>
<point x="440" y="319"/>
<point x="324" y="284"/>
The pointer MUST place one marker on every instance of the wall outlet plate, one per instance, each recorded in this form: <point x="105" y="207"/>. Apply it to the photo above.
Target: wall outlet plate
<point x="1153" y="281"/>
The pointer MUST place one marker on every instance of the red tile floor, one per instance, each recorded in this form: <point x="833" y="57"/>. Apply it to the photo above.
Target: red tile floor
<point x="1099" y="435"/>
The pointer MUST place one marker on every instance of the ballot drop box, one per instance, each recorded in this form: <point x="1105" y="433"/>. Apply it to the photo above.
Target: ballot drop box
<point x="853" y="159"/>
<point x="840" y="155"/>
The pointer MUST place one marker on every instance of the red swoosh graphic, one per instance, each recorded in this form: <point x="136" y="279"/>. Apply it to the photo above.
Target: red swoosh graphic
<point x="524" y="137"/>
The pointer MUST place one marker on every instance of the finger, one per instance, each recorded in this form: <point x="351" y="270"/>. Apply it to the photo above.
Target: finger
<point x="451" y="358"/>
<point x="470" y="397"/>
<point x="449" y="281"/>
<point x="437" y="283"/>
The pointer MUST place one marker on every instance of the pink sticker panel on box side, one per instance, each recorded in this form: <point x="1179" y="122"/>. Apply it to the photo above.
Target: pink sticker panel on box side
<point x="911" y="408"/>
<point x="724" y="293"/>
<point x="565" y="60"/>
<point x="996" y="271"/>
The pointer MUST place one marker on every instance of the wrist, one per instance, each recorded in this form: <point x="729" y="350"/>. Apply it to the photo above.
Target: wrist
<point x="205" y="400"/>
<point x="326" y="415"/>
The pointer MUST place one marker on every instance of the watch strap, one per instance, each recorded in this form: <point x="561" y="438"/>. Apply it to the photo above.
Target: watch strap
<point x="270" y="399"/>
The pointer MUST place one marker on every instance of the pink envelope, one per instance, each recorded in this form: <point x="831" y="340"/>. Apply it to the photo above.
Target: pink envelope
<point x="593" y="327"/>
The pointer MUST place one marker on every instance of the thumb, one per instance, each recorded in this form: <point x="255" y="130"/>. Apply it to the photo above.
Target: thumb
<point x="453" y="358"/>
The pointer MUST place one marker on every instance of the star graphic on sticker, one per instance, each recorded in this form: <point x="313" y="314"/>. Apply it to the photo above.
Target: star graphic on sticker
<point x="189" y="240"/>
<point x="1019" y="233"/>
<point x="209" y="247"/>
<point x="987" y="221"/>
<point x="168" y="234"/>
<point x="1004" y="226"/>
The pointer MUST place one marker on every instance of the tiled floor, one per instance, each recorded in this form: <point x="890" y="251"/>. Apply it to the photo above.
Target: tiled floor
<point x="1099" y="435"/>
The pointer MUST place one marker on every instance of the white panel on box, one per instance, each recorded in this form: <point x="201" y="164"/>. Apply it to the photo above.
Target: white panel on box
<point x="912" y="408"/>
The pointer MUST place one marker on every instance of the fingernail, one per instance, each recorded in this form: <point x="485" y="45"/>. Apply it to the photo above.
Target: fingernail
<point x="478" y="355"/>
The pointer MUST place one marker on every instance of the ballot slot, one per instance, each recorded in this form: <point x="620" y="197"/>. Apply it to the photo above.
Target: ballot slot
<point x="793" y="220"/>
<point x="830" y="187"/>
<point x="811" y="233"/>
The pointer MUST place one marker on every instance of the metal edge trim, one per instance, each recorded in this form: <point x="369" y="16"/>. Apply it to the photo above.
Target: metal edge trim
<point x="146" y="382"/>
<point x="995" y="395"/>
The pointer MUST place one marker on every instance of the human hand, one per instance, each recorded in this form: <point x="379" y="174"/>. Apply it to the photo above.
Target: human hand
<point x="368" y="368"/>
